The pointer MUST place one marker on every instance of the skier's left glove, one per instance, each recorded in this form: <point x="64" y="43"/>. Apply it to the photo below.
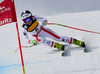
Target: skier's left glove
<point x="34" y="42"/>
<point x="44" y="23"/>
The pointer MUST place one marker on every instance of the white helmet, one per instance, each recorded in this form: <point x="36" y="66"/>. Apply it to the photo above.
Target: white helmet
<point x="26" y="14"/>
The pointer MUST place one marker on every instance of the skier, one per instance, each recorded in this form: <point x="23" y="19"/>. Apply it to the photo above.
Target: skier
<point x="40" y="32"/>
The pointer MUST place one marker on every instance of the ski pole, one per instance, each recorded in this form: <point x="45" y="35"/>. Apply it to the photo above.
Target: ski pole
<point x="23" y="47"/>
<point x="74" y="28"/>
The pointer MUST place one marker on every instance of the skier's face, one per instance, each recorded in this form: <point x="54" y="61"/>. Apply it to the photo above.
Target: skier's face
<point x="29" y="22"/>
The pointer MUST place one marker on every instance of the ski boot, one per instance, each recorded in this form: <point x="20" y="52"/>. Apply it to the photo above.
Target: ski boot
<point x="80" y="43"/>
<point x="59" y="46"/>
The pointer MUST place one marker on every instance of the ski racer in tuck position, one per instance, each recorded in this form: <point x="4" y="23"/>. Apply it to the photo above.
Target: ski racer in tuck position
<point x="40" y="32"/>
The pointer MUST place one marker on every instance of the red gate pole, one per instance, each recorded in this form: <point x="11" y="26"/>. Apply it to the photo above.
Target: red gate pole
<point x="20" y="48"/>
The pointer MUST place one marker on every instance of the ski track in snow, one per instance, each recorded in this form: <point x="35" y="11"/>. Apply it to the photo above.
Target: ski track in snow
<point x="46" y="61"/>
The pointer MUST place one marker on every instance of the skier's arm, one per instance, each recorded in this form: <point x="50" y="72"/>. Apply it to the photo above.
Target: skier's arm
<point x="26" y="38"/>
<point x="44" y="20"/>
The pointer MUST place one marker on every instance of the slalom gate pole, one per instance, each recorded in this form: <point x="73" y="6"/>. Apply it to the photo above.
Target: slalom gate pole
<point x="74" y="28"/>
<point x="20" y="48"/>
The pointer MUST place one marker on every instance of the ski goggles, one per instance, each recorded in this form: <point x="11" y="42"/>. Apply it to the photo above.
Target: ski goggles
<point x="27" y="20"/>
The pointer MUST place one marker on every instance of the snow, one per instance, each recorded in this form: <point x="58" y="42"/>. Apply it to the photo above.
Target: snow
<point x="44" y="60"/>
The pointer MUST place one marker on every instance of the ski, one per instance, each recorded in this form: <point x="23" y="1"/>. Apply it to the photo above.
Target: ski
<point x="85" y="48"/>
<point x="66" y="51"/>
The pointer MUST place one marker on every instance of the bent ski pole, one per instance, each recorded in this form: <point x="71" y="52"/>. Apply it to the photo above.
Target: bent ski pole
<point x="23" y="47"/>
<point x="74" y="28"/>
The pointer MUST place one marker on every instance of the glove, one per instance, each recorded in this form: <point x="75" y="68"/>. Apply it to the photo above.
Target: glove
<point x="44" y="23"/>
<point x="34" y="42"/>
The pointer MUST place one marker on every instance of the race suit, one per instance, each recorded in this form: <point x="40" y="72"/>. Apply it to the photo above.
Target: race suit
<point x="41" y="33"/>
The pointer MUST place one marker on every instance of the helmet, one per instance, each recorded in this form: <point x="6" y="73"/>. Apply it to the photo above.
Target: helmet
<point x="26" y="14"/>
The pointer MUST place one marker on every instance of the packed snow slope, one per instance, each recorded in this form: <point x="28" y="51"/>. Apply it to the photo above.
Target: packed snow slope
<point x="44" y="60"/>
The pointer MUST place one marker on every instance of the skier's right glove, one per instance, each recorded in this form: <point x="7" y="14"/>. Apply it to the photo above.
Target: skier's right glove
<point x="34" y="42"/>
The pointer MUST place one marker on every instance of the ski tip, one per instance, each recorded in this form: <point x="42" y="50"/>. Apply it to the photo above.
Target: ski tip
<point x="86" y="50"/>
<point x="65" y="54"/>
<point x="62" y="54"/>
